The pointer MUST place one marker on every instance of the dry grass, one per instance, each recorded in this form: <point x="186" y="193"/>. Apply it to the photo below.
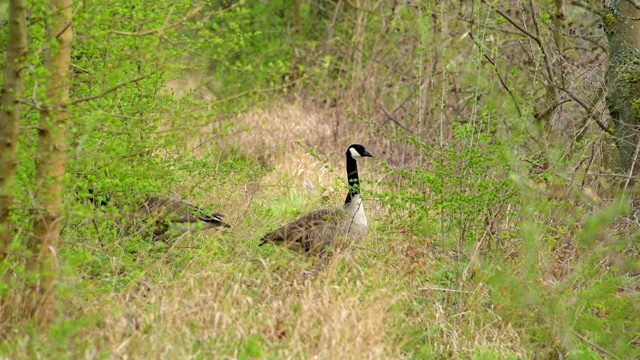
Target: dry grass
<point x="219" y="311"/>
<point x="279" y="131"/>
<point x="245" y="302"/>
<point x="234" y="299"/>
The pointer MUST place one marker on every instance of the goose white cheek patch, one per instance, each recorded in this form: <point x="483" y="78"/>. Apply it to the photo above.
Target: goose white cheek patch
<point x="354" y="153"/>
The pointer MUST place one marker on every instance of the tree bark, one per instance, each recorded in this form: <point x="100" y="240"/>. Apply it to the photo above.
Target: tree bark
<point x="10" y="114"/>
<point x="51" y="161"/>
<point x="622" y="25"/>
<point x="296" y="15"/>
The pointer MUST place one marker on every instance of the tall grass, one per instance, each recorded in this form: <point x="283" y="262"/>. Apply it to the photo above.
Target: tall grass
<point x="513" y="269"/>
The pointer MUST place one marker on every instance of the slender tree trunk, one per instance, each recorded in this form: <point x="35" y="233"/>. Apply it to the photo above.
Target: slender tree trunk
<point x="51" y="162"/>
<point x="10" y="114"/>
<point x="622" y="25"/>
<point x="296" y="15"/>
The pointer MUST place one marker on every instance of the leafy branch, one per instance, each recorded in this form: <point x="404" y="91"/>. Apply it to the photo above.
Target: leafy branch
<point x="189" y="15"/>
<point x="118" y="86"/>
<point x="161" y="30"/>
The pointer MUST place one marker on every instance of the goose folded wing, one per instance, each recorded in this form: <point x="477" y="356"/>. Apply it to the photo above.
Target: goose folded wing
<point x="174" y="210"/>
<point x="307" y="232"/>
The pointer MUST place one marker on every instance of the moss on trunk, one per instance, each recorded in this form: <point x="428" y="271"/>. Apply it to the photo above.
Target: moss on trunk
<point x="623" y="81"/>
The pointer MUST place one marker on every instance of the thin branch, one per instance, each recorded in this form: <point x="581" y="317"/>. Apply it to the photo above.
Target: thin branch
<point x="34" y="94"/>
<point x="35" y="105"/>
<point x="550" y="108"/>
<point x="596" y="100"/>
<point x="587" y="108"/>
<point x="584" y="5"/>
<point x="633" y="163"/>
<point x="445" y="289"/>
<point x="595" y="346"/>
<point x="522" y="29"/>
<point x="542" y="48"/>
<point x="186" y="17"/>
<point x="192" y="13"/>
<point x="257" y="91"/>
<point x="495" y="69"/>
<point x="110" y="90"/>
<point x="392" y="117"/>
<point x="535" y="37"/>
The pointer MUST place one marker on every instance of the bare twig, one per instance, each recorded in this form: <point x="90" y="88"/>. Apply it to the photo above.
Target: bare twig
<point x="595" y="346"/>
<point x="537" y="39"/>
<point x="35" y="105"/>
<point x="495" y="69"/>
<point x="550" y="109"/>
<point x="446" y="290"/>
<point x="518" y="26"/>
<point x="192" y="13"/>
<point x="541" y="45"/>
<point x="584" y="5"/>
<point x="257" y="91"/>
<point x="587" y="108"/>
<point x="392" y="117"/>
<point x="594" y="101"/>
<point x="34" y="94"/>
<point x="633" y="163"/>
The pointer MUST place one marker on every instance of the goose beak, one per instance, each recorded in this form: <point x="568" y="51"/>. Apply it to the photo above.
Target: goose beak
<point x="367" y="154"/>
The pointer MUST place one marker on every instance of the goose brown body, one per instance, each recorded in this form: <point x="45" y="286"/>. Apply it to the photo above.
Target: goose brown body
<point x="173" y="216"/>
<point x="315" y="231"/>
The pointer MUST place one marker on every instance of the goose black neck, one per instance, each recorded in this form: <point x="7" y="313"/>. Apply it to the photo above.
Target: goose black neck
<point x="352" y="177"/>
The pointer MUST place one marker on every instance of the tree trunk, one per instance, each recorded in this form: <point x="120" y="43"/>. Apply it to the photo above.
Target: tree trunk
<point x="622" y="26"/>
<point x="296" y="15"/>
<point x="51" y="161"/>
<point x="10" y="114"/>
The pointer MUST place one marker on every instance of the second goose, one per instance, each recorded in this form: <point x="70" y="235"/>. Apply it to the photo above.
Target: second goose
<point x="173" y="216"/>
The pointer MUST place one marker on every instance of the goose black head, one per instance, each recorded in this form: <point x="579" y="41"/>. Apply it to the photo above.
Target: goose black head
<point x="357" y="151"/>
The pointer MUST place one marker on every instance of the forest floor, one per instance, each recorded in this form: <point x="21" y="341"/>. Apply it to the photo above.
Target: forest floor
<point x="215" y="294"/>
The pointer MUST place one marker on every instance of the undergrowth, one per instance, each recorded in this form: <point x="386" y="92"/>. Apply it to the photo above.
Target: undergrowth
<point x="466" y="257"/>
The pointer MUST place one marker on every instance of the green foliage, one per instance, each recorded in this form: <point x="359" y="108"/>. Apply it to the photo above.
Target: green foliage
<point x="252" y="348"/>
<point x="251" y="49"/>
<point x="466" y="184"/>
<point x="472" y="192"/>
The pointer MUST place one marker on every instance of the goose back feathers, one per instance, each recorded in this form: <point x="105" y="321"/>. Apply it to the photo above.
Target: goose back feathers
<point x="173" y="216"/>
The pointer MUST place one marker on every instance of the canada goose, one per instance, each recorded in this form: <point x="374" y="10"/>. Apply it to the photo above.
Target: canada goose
<point x="313" y="232"/>
<point x="173" y="216"/>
